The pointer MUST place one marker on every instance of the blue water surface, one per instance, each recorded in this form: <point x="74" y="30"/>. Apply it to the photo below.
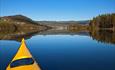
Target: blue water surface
<point x="63" y="52"/>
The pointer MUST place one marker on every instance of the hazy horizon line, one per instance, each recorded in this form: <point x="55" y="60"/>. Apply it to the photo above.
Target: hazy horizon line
<point x="61" y="20"/>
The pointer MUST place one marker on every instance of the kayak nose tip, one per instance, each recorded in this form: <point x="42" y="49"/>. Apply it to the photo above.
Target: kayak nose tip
<point x="23" y="40"/>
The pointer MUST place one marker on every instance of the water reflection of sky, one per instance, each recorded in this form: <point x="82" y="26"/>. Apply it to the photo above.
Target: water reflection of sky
<point x="64" y="52"/>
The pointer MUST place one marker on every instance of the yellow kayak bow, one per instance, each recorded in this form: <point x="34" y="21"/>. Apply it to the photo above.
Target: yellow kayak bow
<point x="23" y="60"/>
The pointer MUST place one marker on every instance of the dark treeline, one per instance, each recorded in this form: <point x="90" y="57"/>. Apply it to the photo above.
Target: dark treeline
<point x="103" y="21"/>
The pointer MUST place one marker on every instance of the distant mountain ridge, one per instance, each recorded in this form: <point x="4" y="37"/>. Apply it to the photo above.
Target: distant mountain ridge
<point x="19" y="23"/>
<point x="21" y="18"/>
<point x="64" y="22"/>
<point x="17" y="18"/>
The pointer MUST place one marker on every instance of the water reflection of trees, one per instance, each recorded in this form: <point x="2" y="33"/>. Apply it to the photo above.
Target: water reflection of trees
<point x="106" y="36"/>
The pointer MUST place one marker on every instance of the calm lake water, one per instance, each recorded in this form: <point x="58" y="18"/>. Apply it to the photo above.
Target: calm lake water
<point x="63" y="52"/>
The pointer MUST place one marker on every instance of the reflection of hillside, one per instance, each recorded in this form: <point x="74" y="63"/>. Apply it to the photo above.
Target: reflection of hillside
<point x="17" y="35"/>
<point x="107" y="36"/>
<point x="62" y="32"/>
<point x="25" y="33"/>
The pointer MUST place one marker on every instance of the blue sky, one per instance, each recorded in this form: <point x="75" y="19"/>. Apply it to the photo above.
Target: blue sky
<point x="58" y="10"/>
